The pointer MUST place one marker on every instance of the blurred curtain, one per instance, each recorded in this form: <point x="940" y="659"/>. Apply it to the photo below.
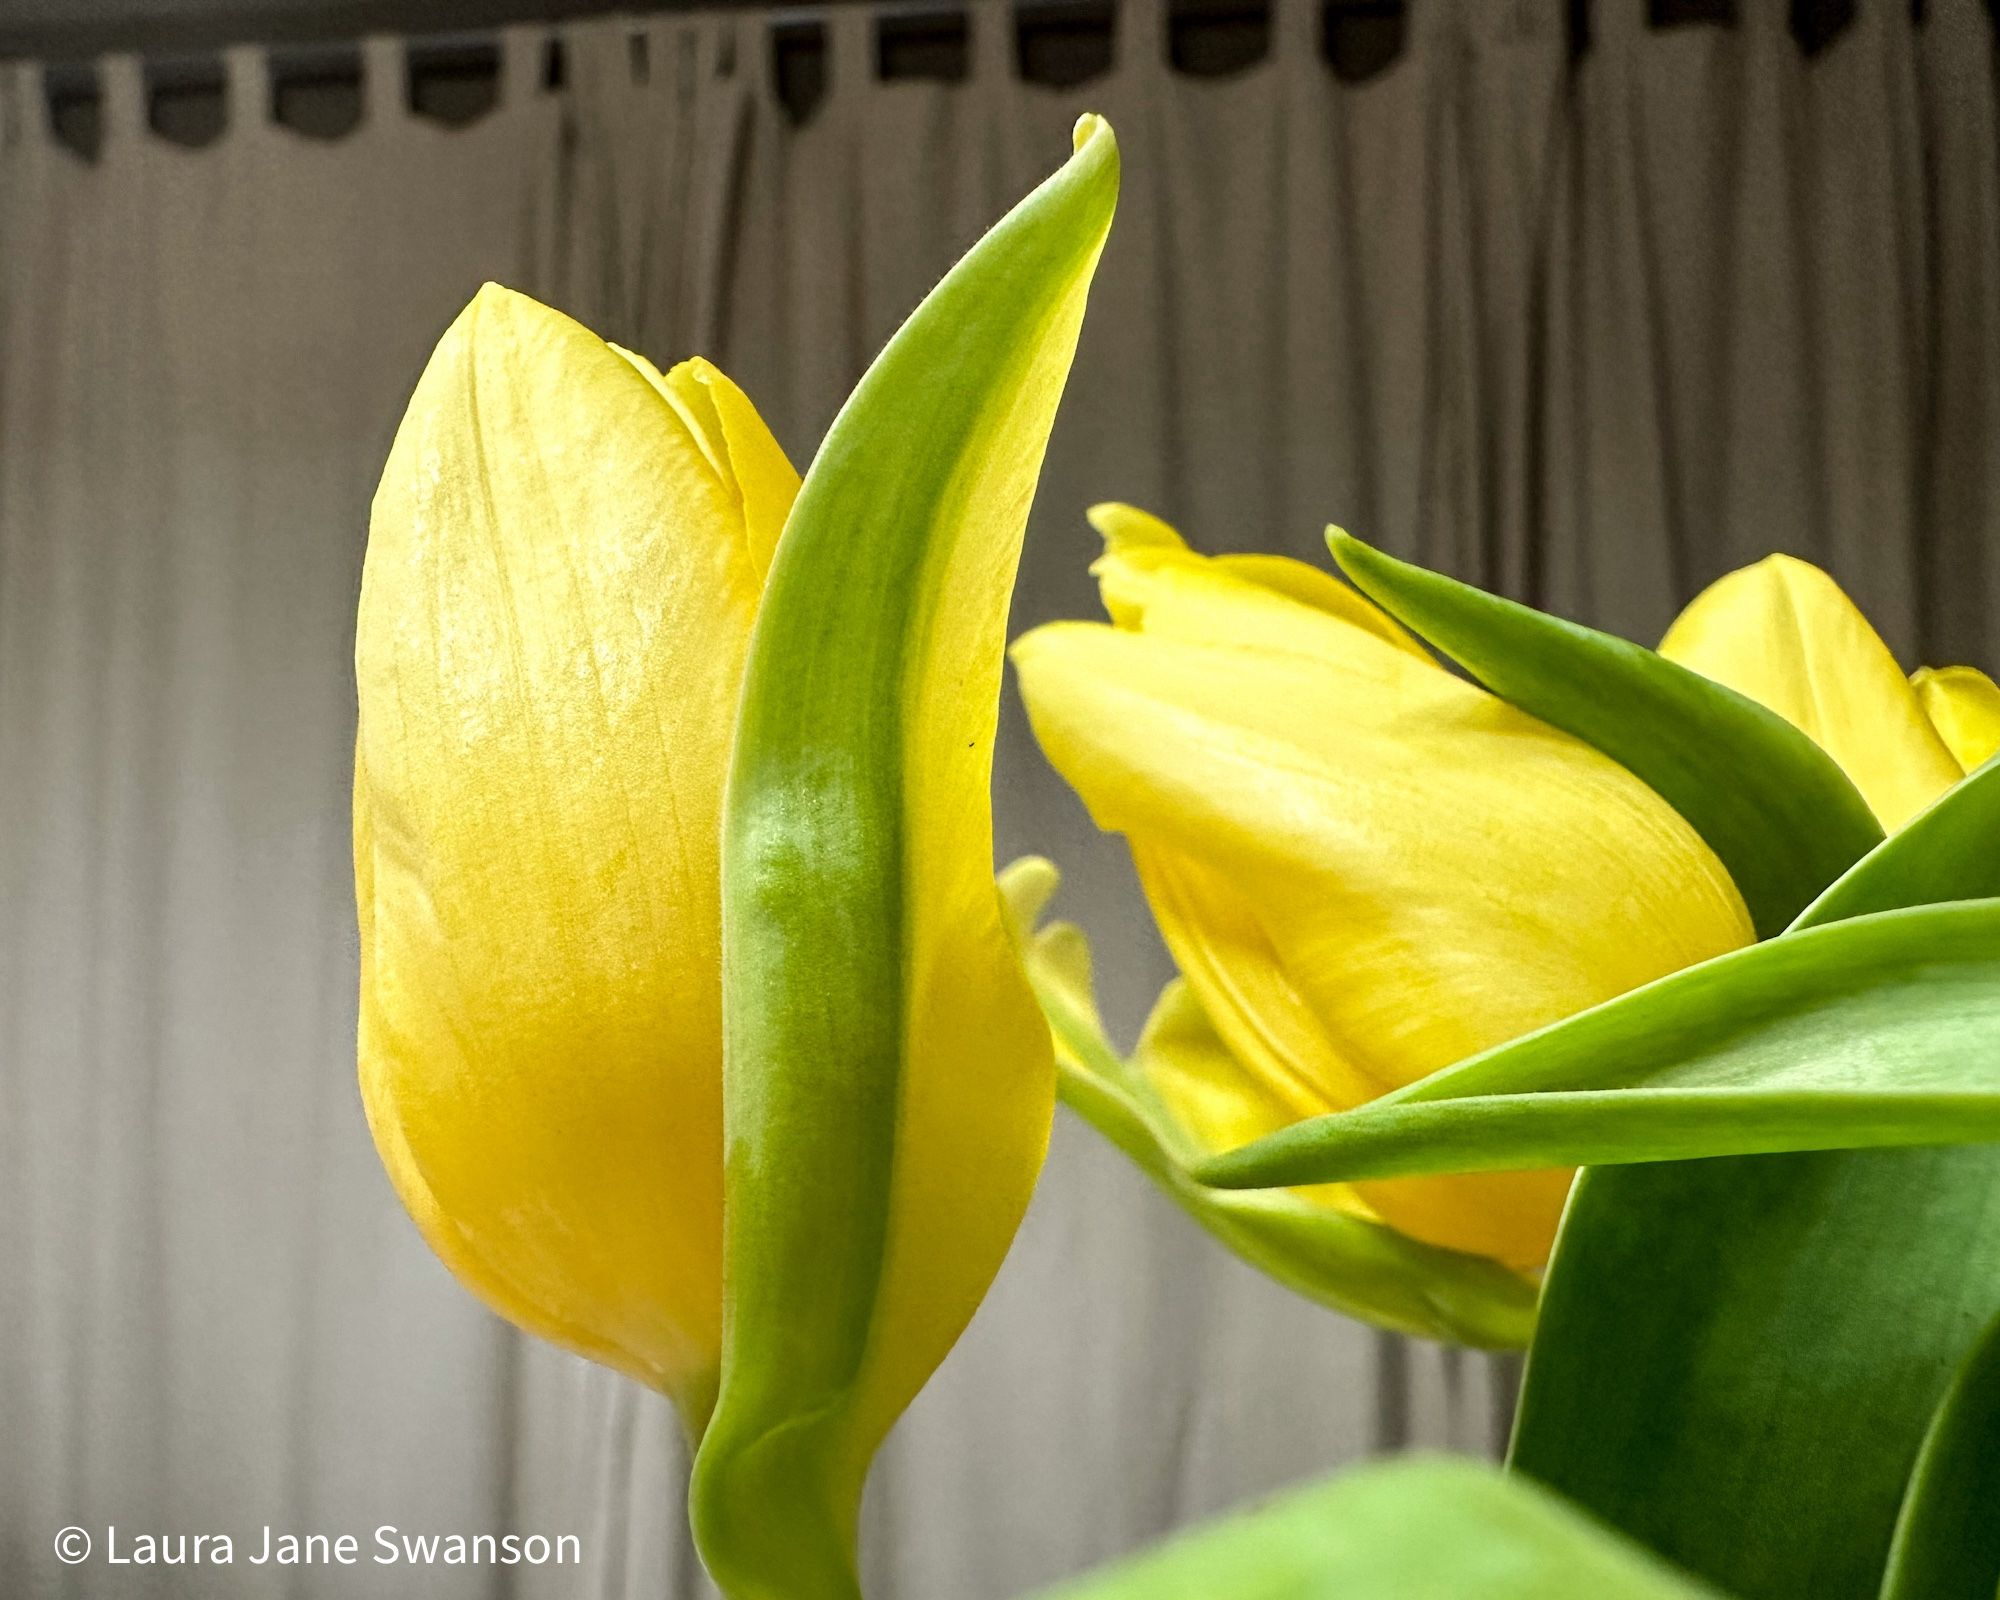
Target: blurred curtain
<point x="1590" y="332"/>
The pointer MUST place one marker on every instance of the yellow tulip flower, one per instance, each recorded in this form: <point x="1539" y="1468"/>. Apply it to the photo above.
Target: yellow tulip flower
<point x="564" y="562"/>
<point x="1368" y="868"/>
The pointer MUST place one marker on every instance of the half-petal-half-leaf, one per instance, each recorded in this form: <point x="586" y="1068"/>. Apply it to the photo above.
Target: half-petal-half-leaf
<point x="888" y="1082"/>
<point x="1352" y="1263"/>
<point x="1947" y="1544"/>
<point x="1423" y="1528"/>
<point x="1777" y="810"/>
<point x="1882" y="1030"/>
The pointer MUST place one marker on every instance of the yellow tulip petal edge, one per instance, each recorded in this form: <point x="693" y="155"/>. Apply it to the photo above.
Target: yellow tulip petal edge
<point x="889" y="1081"/>
<point x="1180" y="1099"/>
<point x="555" y="611"/>
<point x="1963" y="704"/>
<point x="1783" y="633"/>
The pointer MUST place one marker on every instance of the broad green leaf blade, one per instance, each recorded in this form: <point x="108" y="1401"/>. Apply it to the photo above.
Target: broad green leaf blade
<point x="1737" y="1360"/>
<point x="1949" y="852"/>
<point x="1947" y="1544"/>
<point x="1422" y="1528"/>
<point x="1351" y="1264"/>
<point x="1773" y="806"/>
<point x="888" y="1081"/>
<point x="1879" y="1030"/>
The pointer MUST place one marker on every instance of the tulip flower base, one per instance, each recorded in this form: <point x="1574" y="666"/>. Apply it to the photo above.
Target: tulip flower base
<point x="697" y="1038"/>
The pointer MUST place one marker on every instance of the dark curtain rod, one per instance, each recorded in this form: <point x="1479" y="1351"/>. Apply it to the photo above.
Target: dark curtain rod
<point x="474" y="50"/>
<point x="323" y="31"/>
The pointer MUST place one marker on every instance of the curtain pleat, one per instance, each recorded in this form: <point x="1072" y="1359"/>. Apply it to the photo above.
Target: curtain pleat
<point x="1587" y="331"/>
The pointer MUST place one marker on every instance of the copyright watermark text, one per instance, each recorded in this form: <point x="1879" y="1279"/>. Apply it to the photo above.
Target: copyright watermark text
<point x="385" y="1546"/>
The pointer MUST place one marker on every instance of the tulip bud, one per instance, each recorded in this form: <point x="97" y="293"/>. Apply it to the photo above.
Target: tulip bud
<point x="564" y="563"/>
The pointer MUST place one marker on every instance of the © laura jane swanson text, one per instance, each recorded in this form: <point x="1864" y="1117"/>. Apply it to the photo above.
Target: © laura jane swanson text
<point x="385" y="1546"/>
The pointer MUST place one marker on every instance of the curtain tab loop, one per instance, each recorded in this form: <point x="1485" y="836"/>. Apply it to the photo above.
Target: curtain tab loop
<point x="682" y="54"/>
<point x="1511" y="22"/>
<point x="745" y="38"/>
<point x="601" y="56"/>
<point x="24" y="106"/>
<point x="850" y="49"/>
<point x="719" y="48"/>
<point x="1295" y="26"/>
<point x="121" y="82"/>
<point x="1764" y="16"/>
<point x="523" y="47"/>
<point x="247" y="79"/>
<point x="1140" y="34"/>
<point x="990" y="45"/>
<point x="1620" y="20"/>
<point x="385" y="78"/>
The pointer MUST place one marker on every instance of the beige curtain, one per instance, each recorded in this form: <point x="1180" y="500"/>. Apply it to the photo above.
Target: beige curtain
<point x="1587" y="332"/>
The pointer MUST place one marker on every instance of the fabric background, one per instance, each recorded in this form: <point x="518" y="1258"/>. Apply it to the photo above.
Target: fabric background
<point x="1590" y="332"/>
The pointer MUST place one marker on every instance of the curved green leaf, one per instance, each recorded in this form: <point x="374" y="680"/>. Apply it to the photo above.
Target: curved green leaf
<point x="1737" y="1360"/>
<point x="1345" y="1262"/>
<point x="1773" y="806"/>
<point x="888" y="1080"/>
<point x="1422" y="1528"/>
<point x="1950" y="851"/>
<point x="1879" y="1030"/>
<point x="1947" y="1543"/>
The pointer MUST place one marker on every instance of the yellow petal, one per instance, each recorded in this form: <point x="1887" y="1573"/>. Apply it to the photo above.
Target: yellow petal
<point x="1200" y="1080"/>
<point x="1151" y="580"/>
<point x="1183" y="1091"/>
<point x="1783" y="633"/>
<point x="735" y="442"/>
<point x="558" y="594"/>
<point x="1964" y="706"/>
<point x="1366" y="867"/>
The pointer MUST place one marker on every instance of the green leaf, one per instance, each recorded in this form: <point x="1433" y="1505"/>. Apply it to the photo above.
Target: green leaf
<point x="1947" y="1543"/>
<point x="1950" y="851"/>
<point x="1879" y="1030"/>
<point x="1422" y="1528"/>
<point x="1737" y="1360"/>
<point x="888" y="1080"/>
<point x="1348" y="1263"/>
<point x="1775" y="808"/>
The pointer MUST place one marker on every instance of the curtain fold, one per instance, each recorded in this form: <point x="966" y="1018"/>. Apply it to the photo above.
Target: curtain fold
<point x="1588" y="331"/>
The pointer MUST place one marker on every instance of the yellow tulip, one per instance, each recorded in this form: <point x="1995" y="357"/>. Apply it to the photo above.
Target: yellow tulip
<point x="564" y="562"/>
<point x="1783" y="633"/>
<point x="1366" y="867"/>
